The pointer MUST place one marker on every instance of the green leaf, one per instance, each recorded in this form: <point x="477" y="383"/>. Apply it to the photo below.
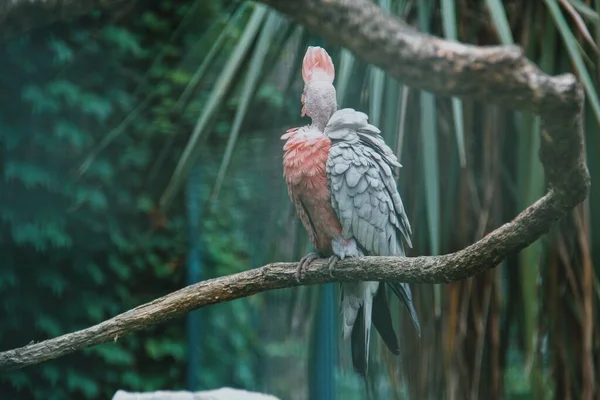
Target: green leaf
<point x="135" y="157"/>
<point x="376" y="94"/>
<point x="8" y="279"/>
<point x="102" y="170"/>
<point x="430" y="167"/>
<point x="449" y="24"/>
<point x="161" y="348"/>
<point x="573" y="50"/>
<point x="30" y="175"/>
<point x="114" y="134"/>
<point x="430" y="150"/>
<point x="430" y="159"/>
<point x="133" y="379"/>
<point x="343" y="76"/>
<point x="96" y="273"/>
<point x="10" y="138"/>
<point x="208" y="59"/>
<point x="66" y="90"/>
<point x="77" y="382"/>
<point x="40" y="236"/>
<point x="62" y="52"/>
<point x="179" y="77"/>
<point x="66" y="130"/>
<point x="51" y="373"/>
<point x="403" y="100"/>
<point x="145" y="203"/>
<point x="52" y="280"/>
<point x="425" y="13"/>
<point x="19" y="380"/>
<point x="271" y="95"/>
<point x="586" y="11"/>
<point x="531" y="187"/>
<point x="153" y="22"/>
<point x="95" y="106"/>
<point x="123" y="40"/>
<point x="253" y="75"/>
<point x="376" y="84"/>
<point x="122" y="270"/>
<point x="47" y="324"/>
<point x="92" y="197"/>
<point x="498" y="14"/>
<point x="40" y="102"/>
<point x="192" y="148"/>
<point x="113" y="354"/>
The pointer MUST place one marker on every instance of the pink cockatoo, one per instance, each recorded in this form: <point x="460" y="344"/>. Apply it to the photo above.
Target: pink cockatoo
<point x="339" y="173"/>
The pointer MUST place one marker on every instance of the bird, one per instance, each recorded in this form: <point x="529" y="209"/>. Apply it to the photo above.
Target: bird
<point x="340" y="178"/>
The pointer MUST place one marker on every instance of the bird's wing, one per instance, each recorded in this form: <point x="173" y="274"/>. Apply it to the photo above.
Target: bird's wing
<point x="364" y="194"/>
<point x="363" y="189"/>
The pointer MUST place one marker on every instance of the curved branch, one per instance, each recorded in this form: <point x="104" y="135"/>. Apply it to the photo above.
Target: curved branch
<point x="495" y="74"/>
<point x="481" y="256"/>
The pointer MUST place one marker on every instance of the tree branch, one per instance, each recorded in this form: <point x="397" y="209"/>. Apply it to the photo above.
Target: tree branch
<point x="495" y="74"/>
<point x="20" y="16"/>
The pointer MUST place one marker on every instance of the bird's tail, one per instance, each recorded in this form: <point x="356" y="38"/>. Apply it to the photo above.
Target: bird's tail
<point x="364" y="303"/>
<point x="402" y="290"/>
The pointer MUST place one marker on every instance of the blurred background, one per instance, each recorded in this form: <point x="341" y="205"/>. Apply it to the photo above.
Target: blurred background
<point x="96" y="115"/>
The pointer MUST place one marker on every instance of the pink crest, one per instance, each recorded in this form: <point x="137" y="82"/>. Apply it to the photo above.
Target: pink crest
<point x="317" y="65"/>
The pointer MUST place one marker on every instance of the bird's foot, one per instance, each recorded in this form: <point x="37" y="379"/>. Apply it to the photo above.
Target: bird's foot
<point x="304" y="263"/>
<point x="331" y="263"/>
<point x="345" y="248"/>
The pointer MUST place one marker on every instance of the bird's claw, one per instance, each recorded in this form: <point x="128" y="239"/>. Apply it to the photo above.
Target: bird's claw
<point x="304" y="263"/>
<point x="333" y="260"/>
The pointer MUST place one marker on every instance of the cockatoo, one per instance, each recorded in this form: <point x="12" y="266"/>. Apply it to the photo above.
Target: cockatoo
<point x="339" y="173"/>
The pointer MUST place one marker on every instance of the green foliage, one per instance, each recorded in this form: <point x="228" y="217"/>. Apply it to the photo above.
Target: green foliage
<point x="95" y="118"/>
<point x="80" y="245"/>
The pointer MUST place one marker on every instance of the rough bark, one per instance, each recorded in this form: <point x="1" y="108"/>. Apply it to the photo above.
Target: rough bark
<point x="20" y="16"/>
<point x="494" y="74"/>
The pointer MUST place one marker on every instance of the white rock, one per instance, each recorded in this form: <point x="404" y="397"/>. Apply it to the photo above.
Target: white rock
<point x="218" y="394"/>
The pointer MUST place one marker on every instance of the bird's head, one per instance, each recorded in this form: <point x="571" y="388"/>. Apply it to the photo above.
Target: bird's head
<point x="319" y="97"/>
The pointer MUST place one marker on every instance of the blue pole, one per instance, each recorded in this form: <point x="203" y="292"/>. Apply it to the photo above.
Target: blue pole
<point x="194" y="275"/>
<point x="324" y="347"/>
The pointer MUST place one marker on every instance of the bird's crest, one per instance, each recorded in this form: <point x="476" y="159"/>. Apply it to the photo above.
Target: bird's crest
<point x="316" y="66"/>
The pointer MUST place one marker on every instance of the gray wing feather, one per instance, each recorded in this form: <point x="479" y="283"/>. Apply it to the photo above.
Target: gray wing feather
<point x="360" y="171"/>
<point x="363" y="189"/>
